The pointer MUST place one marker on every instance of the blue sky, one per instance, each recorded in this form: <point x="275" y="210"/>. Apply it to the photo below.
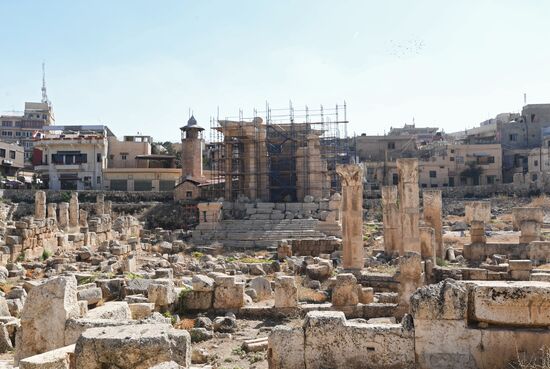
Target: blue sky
<point x="141" y="65"/>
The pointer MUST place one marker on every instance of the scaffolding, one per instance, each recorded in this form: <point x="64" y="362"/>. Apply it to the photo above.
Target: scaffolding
<point x="278" y="155"/>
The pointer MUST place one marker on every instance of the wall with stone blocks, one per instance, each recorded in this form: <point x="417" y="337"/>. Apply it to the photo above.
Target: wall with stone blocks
<point x="327" y="340"/>
<point x="306" y="247"/>
<point x="88" y="196"/>
<point x="324" y="210"/>
<point x="479" y="251"/>
<point x="484" y="324"/>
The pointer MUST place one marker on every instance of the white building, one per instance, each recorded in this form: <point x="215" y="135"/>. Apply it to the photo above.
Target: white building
<point x="73" y="157"/>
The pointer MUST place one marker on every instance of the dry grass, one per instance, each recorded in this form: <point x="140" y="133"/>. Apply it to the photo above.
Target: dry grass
<point x="186" y="324"/>
<point x="527" y="362"/>
<point x="542" y="201"/>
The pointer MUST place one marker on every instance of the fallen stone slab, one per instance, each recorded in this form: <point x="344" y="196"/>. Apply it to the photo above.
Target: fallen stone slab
<point x="56" y="359"/>
<point x="132" y="347"/>
<point x="117" y="310"/>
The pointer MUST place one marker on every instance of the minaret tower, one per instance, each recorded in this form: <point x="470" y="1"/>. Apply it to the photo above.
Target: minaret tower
<point x="191" y="149"/>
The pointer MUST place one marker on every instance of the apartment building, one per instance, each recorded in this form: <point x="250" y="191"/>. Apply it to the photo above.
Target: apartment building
<point x="444" y="165"/>
<point x="11" y="159"/>
<point x="22" y="128"/>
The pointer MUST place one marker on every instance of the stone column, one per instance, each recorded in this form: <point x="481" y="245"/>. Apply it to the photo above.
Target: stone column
<point x="533" y="218"/>
<point x="428" y="243"/>
<point x="108" y="207"/>
<point x="83" y="218"/>
<point x="392" y="221"/>
<point x="477" y="232"/>
<point x="100" y="204"/>
<point x="63" y="219"/>
<point x="433" y="204"/>
<point x="40" y="205"/>
<point x="351" y="176"/>
<point x="410" y="277"/>
<point x="73" y="210"/>
<point x="52" y="210"/>
<point x="409" y="204"/>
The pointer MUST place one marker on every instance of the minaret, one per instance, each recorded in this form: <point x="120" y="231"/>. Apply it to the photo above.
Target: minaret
<point x="191" y="149"/>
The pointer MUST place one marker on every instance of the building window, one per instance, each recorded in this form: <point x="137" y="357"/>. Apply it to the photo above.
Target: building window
<point x="491" y="179"/>
<point x="3" y="153"/>
<point x="189" y="194"/>
<point x="534" y="177"/>
<point x="391" y="145"/>
<point x="491" y="159"/>
<point x="433" y="174"/>
<point x="99" y="157"/>
<point x="98" y="180"/>
<point x="6" y="123"/>
<point x="424" y="185"/>
<point x="536" y="163"/>
<point x="123" y="156"/>
<point x="17" y="134"/>
<point x="452" y="151"/>
<point x="452" y="158"/>
<point x="12" y="154"/>
<point x="513" y="137"/>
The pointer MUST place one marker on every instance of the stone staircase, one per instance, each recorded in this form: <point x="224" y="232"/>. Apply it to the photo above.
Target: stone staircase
<point x="256" y="234"/>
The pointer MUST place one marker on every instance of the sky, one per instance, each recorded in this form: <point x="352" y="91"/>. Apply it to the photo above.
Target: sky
<point x="141" y="66"/>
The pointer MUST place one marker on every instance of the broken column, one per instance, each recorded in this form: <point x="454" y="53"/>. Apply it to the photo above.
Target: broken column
<point x="428" y="243"/>
<point x="40" y="205"/>
<point x="351" y="176"/>
<point x="410" y="277"/>
<point x="529" y="221"/>
<point x="52" y="210"/>
<point x="433" y="203"/>
<point x="73" y="210"/>
<point x="391" y="220"/>
<point x="100" y="204"/>
<point x="108" y="207"/>
<point x="83" y="218"/>
<point x="63" y="216"/>
<point x="409" y="203"/>
<point x="477" y="232"/>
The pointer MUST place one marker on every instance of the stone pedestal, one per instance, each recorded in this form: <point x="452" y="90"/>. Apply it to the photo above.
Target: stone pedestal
<point x="351" y="176"/>
<point x="40" y="205"/>
<point x="433" y="203"/>
<point x="392" y="221"/>
<point x="409" y="204"/>
<point x="286" y="292"/>
<point x="410" y="277"/>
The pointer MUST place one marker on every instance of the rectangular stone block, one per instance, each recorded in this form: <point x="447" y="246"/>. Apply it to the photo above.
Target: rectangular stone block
<point x="512" y="303"/>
